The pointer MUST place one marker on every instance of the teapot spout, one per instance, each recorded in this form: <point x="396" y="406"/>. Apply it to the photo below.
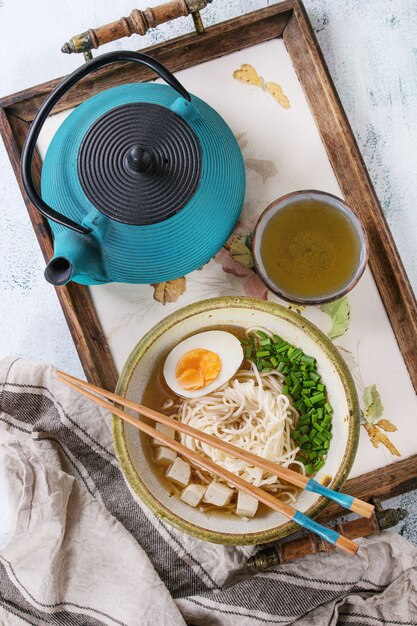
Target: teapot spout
<point x="77" y="257"/>
<point x="59" y="271"/>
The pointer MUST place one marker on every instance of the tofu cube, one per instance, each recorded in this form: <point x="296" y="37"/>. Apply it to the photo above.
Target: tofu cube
<point x="218" y="494"/>
<point x="247" y="505"/>
<point x="179" y="472"/>
<point x="164" y="455"/>
<point x="165" y="430"/>
<point x="193" y="494"/>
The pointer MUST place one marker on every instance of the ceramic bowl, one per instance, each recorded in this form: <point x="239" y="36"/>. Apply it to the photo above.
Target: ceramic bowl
<point x="131" y="447"/>
<point x="338" y="205"/>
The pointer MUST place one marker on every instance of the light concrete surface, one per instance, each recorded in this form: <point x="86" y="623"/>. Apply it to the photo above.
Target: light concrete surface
<point x="369" y="46"/>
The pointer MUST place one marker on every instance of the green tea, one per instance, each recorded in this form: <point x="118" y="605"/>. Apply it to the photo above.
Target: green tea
<point x="310" y="249"/>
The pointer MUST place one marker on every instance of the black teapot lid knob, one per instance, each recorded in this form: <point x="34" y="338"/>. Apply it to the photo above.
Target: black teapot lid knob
<point x="139" y="163"/>
<point x="139" y="160"/>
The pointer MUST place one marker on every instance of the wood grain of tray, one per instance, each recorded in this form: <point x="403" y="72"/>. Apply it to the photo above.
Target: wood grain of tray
<point x="287" y="20"/>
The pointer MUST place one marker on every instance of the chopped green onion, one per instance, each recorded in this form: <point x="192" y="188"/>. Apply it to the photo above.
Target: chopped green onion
<point x="294" y="378"/>
<point x="312" y="432"/>
<point x="318" y="397"/>
<point x="266" y="341"/>
<point x="294" y="355"/>
<point x="295" y="391"/>
<point x="308" y="360"/>
<point x="281" y="348"/>
<point x="300" y="406"/>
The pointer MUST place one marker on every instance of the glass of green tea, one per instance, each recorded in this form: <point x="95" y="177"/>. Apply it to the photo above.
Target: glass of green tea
<point x="309" y="247"/>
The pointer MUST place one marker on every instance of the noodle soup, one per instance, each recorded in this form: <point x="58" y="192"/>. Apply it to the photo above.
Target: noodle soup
<point x="275" y="405"/>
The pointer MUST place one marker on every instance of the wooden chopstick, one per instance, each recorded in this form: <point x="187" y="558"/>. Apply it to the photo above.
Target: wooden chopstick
<point x="348" y="502"/>
<point x="205" y="463"/>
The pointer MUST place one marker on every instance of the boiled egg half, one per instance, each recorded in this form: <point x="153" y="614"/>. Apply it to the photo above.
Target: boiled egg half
<point x="202" y="363"/>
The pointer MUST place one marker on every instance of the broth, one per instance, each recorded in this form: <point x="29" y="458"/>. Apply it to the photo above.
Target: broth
<point x="156" y="396"/>
<point x="310" y="249"/>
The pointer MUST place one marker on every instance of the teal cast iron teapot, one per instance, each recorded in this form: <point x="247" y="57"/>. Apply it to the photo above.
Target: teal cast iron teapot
<point x="146" y="181"/>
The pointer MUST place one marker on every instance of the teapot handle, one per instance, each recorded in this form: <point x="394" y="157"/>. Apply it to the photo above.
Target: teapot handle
<point x="33" y="134"/>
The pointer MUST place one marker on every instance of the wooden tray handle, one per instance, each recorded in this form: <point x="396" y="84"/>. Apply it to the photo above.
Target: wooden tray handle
<point x="292" y="549"/>
<point x="138" y="22"/>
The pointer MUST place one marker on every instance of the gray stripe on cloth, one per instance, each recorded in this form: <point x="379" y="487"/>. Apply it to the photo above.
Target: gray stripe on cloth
<point x="373" y="620"/>
<point x="69" y="418"/>
<point x="276" y="620"/>
<point x="12" y="594"/>
<point x="320" y="581"/>
<point x="41" y="413"/>
<point x="7" y="609"/>
<point x="13" y="600"/>
<point x="58" y="443"/>
<point x="70" y="461"/>
<point x="275" y="597"/>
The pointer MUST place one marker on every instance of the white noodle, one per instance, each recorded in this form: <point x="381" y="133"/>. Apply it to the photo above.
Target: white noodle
<point x="251" y="412"/>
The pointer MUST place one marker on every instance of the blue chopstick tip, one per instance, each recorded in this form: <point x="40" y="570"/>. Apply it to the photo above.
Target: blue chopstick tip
<point x="341" y="498"/>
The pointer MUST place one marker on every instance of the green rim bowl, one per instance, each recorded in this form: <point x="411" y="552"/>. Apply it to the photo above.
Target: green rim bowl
<point x="132" y="448"/>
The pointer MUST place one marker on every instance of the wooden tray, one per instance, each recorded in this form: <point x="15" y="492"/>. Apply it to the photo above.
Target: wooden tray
<point x="288" y="23"/>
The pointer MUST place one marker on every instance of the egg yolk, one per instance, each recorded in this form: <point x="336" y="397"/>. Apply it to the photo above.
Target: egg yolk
<point x="198" y="368"/>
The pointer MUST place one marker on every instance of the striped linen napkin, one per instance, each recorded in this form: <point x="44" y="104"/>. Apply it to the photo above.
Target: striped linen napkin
<point x="77" y="549"/>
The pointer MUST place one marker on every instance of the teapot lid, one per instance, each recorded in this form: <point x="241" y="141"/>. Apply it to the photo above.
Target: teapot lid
<point x="139" y="163"/>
